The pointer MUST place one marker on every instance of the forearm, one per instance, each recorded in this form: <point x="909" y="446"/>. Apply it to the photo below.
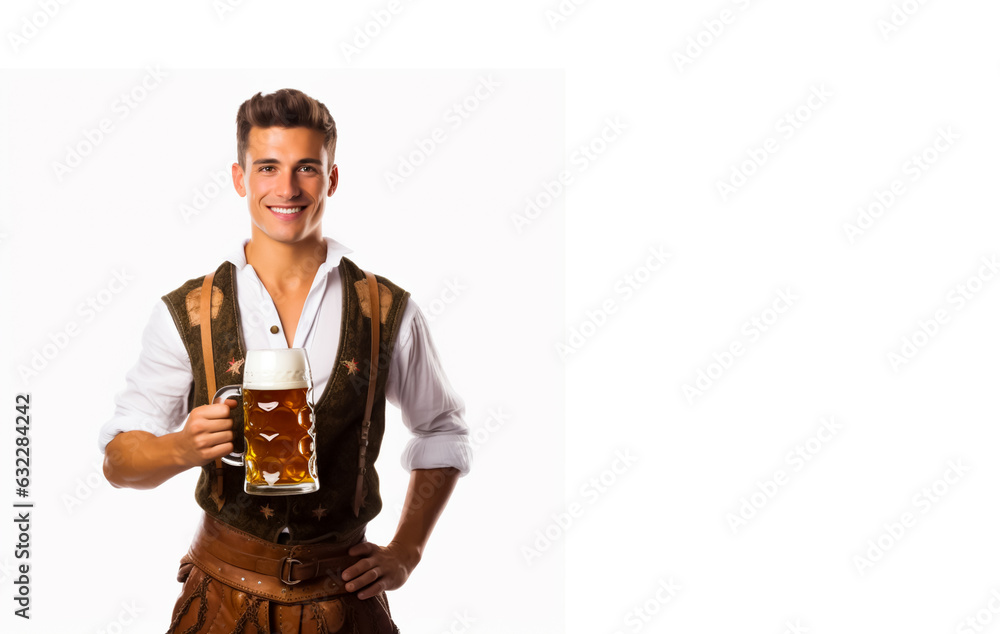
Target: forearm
<point x="141" y="460"/>
<point x="426" y="498"/>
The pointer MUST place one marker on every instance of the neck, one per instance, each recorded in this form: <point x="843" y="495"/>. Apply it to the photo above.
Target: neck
<point x="285" y="264"/>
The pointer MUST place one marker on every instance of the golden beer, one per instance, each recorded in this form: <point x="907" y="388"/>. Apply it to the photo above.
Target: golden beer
<point x="279" y="431"/>
<point x="280" y="443"/>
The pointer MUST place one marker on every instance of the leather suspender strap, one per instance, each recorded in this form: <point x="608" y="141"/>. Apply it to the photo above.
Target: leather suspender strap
<point x="205" y="316"/>
<point x="376" y="312"/>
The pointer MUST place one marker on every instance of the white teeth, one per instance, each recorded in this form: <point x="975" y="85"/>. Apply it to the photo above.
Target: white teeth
<point x="287" y="210"/>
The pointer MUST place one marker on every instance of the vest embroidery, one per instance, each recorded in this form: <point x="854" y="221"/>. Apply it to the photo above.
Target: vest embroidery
<point x="234" y="366"/>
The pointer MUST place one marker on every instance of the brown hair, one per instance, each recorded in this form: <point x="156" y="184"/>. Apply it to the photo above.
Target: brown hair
<point x="285" y="108"/>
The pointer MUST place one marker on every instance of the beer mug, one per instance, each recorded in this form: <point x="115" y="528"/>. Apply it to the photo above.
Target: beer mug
<point x="279" y="426"/>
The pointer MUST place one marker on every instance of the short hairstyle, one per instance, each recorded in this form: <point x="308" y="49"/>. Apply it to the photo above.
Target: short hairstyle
<point x="285" y="108"/>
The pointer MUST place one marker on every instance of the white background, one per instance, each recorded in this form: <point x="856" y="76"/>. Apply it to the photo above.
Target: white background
<point x="695" y="532"/>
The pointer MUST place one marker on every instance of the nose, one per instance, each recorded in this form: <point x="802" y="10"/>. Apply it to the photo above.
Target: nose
<point x="286" y="186"/>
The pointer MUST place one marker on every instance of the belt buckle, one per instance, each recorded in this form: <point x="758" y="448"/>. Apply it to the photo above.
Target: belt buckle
<point x="286" y="579"/>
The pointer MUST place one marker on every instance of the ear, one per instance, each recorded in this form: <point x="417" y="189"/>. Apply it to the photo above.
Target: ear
<point x="334" y="179"/>
<point x="238" y="180"/>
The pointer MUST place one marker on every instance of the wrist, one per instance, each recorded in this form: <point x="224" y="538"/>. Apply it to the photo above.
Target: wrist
<point x="169" y="447"/>
<point x="408" y="553"/>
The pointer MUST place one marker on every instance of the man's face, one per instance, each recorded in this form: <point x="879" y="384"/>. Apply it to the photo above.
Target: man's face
<point x="286" y="182"/>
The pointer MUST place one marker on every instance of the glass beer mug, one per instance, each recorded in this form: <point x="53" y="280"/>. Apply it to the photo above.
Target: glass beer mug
<point x="279" y="426"/>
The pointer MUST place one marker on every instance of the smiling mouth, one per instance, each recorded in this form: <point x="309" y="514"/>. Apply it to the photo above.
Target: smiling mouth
<point x="286" y="211"/>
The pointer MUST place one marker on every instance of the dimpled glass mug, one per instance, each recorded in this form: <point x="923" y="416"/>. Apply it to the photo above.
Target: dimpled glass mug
<point x="279" y="426"/>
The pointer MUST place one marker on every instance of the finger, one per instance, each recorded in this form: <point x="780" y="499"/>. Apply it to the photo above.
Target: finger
<point x="364" y="580"/>
<point x="218" y="410"/>
<point x="207" y="456"/>
<point x="218" y="438"/>
<point x="218" y="451"/>
<point x="363" y="548"/>
<point x="373" y="590"/>
<point x="215" y="424"/>
<point x="359" y="568"/>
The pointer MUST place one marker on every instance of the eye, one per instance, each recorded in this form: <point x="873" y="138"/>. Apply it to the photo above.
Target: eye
<point x="265" y="167"/>
<point x="309" y="167"/>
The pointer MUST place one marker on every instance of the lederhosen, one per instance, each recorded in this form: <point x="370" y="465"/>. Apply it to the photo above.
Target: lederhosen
<point x="236" y="572"/>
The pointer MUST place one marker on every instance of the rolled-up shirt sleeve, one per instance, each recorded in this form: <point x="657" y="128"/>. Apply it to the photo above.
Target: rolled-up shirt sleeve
<point x="430" y="408"/>
<point x="157" y="386"/>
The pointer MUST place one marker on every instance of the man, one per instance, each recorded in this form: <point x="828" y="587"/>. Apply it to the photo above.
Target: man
<point x="298" y="562"/>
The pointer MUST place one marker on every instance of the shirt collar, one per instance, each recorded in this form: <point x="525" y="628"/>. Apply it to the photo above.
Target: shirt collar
<point x="334" y="251"/>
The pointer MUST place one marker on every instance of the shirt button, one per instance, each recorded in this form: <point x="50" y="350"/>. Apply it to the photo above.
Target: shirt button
<point x="274" y="330"/>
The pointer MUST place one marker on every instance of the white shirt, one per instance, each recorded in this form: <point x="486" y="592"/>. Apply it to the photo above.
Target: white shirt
<point x="156" y="388"/>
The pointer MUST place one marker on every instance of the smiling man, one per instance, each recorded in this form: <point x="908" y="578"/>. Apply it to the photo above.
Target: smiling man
<point x="290" y="563"/>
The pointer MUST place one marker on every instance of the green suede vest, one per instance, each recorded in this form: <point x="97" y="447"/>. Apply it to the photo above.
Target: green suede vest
<point x="325" y="515"/>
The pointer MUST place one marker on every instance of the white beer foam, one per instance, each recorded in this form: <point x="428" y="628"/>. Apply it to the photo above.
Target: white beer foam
<point x="276" y="369"/>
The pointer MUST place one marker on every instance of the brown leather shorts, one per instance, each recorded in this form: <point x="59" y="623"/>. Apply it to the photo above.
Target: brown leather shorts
<point x="235" y="582"/>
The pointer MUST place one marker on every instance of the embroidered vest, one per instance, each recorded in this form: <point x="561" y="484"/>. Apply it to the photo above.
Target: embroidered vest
<point x="327" y="514"/>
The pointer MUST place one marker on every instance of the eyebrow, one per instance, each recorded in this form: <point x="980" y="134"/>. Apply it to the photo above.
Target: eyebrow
<point x="305" y="161"/>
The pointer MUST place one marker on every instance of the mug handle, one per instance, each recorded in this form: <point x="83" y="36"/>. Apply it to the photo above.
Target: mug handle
<point x="234" y="392"/>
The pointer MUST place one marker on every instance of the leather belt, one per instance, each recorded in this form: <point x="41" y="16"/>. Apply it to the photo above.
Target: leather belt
<point x="280" y="572"/>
